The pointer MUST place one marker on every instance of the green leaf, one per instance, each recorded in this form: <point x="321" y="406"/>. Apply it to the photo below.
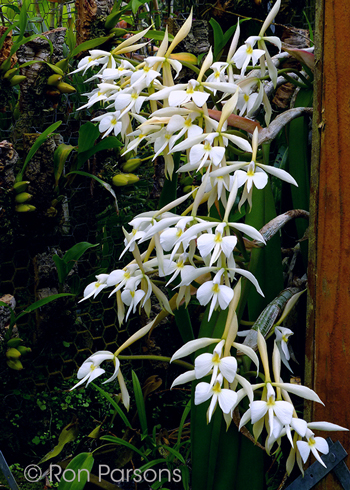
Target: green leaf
<point x="265" y="262"/>
<point x="61" y="154"/>
<point x="87" y="45"/>
<point x="299" y="164"/>
<point x="61" y="268"/>
<point x="121" y="442"/>
<point x="39" y="141"/>
<point x="42" y="302"/>
<point x="156" y="35"/>
<point x="136" y="4"/>
<point x="88" y="134"/>
<point x="75" y="252"/>
<point x="169" y="190"/>
<point x="81" y="467"/>
<point x="100" y="181"/>
<point x="27" y="40"/>
<point x="70" y="38"/>
<point x="114" y="404"/>
<point x="140" y="403"/>
<point x="218" y="35"/>
<point x="105" y="144"/>
<point x="55" y="69"/>
<point x="9" y="29"/>
<point x="23" y="19"/>
<point x="68" y="434"/>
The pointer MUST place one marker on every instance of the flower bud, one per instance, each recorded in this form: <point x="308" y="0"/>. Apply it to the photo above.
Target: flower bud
<point x="15" y="364"/>
<point x="13" y="353"/>
<point x="54" y="79"/>
<point x="23" y="197"/>
<point x="132" y="178"/>
<point x="25" y="208"/>
<point x="21" y="186"/>
<point x="15" y="342"/>
<point x="65" y="88"/>
<point x="131" y="164"/>
<point x="120" y="180"/>
<point x="17" y="79"/>
<point x="23" y="350"/>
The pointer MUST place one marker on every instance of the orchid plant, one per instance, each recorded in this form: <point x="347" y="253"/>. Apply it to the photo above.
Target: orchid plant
<point x="145" y="105"/>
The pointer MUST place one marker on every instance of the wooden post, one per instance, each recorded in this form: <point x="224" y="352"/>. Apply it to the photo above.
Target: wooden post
<point x="328" y="331"/>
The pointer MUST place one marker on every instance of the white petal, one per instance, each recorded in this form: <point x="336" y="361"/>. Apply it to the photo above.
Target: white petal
<point x="325" y="426"/>
<point x="95" y="374"/>
<point x="227" y="398"/>
<point x="228" y="367"/>
<point x="260" y="179"/>
<point x="240" y="142"/>
<point x="247" y="387"/>
<point x="304" y="450"/>
<point x="248" y="230"/>
<point x="199" y="98"/>
<point x="299" y="425"/>
<point x="225" y="296"/>
<point x="206" y="243"/>
<point x="284" y="411"/>
<point x="202" y="393"/>
<point x="258" y="410"/>
<point x="245" y="418"/>
<point x="322" y="445"/>
<point x="196" y="153"/>
<point x="280" y="173"/>
<point x="301" y="391"/>
<point x="248" y="351"/>
<point x="124" y="391"/>
<point x="205" y="293"/>
<point x="184" y="378"/>
<point x="228" y="244"/>
<point x="203" y="364"/>
<point x="192" y="346"/>
<point x="116" y="370"/>
<point x="177" y="97"/>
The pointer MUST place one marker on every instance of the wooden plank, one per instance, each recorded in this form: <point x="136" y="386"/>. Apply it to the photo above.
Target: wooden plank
<point x="328" y="330"/>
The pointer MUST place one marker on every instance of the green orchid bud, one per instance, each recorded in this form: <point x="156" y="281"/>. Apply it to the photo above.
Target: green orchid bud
<point x="25" y="208"/>
<point x="21" y="186"/>
<point x="6" y="65"/>
<point x="15" y="342"/>
<point x="63" y="64"/>
<point x="17" y="79"/>
<point x="10" y="73"/>
<point x="120" y="180"/>
<point x="65" y="88"/>
<point x="54" y="79"/>
<point x="23" y="197"/>
<point x="131" y="164"/>
<point x="132" y="178"/>
<point x="24" y="350"/>
<point x="13" y="353"/>
<point x="187" y="188"/>
<point x="15" y="364"/>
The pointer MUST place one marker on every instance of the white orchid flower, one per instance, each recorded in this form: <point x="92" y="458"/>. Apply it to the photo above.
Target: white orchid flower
<point x="216" y="242"/>
<point x="205" y="363"/>
<point x="132" y="297"/>
<point x="204" y="154"/>
<point x="226" y="398"/>
<point x="314" y="445"/>
<point x="90" y="369"/>
<point x="123" y="70"/>
<point x="96" y="57"/>
<point x="108" y="123"/>
<point x="95" y="287"/>
<point x="216" y="293"/>
<point x="120" y="277"/>
<point x="258" y="409"/>
<point x="246" y="53"/>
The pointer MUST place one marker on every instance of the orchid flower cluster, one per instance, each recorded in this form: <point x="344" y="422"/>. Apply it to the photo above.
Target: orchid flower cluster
<point x="187" y="249"/>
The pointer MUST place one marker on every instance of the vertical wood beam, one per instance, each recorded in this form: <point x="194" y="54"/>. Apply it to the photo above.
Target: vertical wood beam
<point x="328" y="330"/>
